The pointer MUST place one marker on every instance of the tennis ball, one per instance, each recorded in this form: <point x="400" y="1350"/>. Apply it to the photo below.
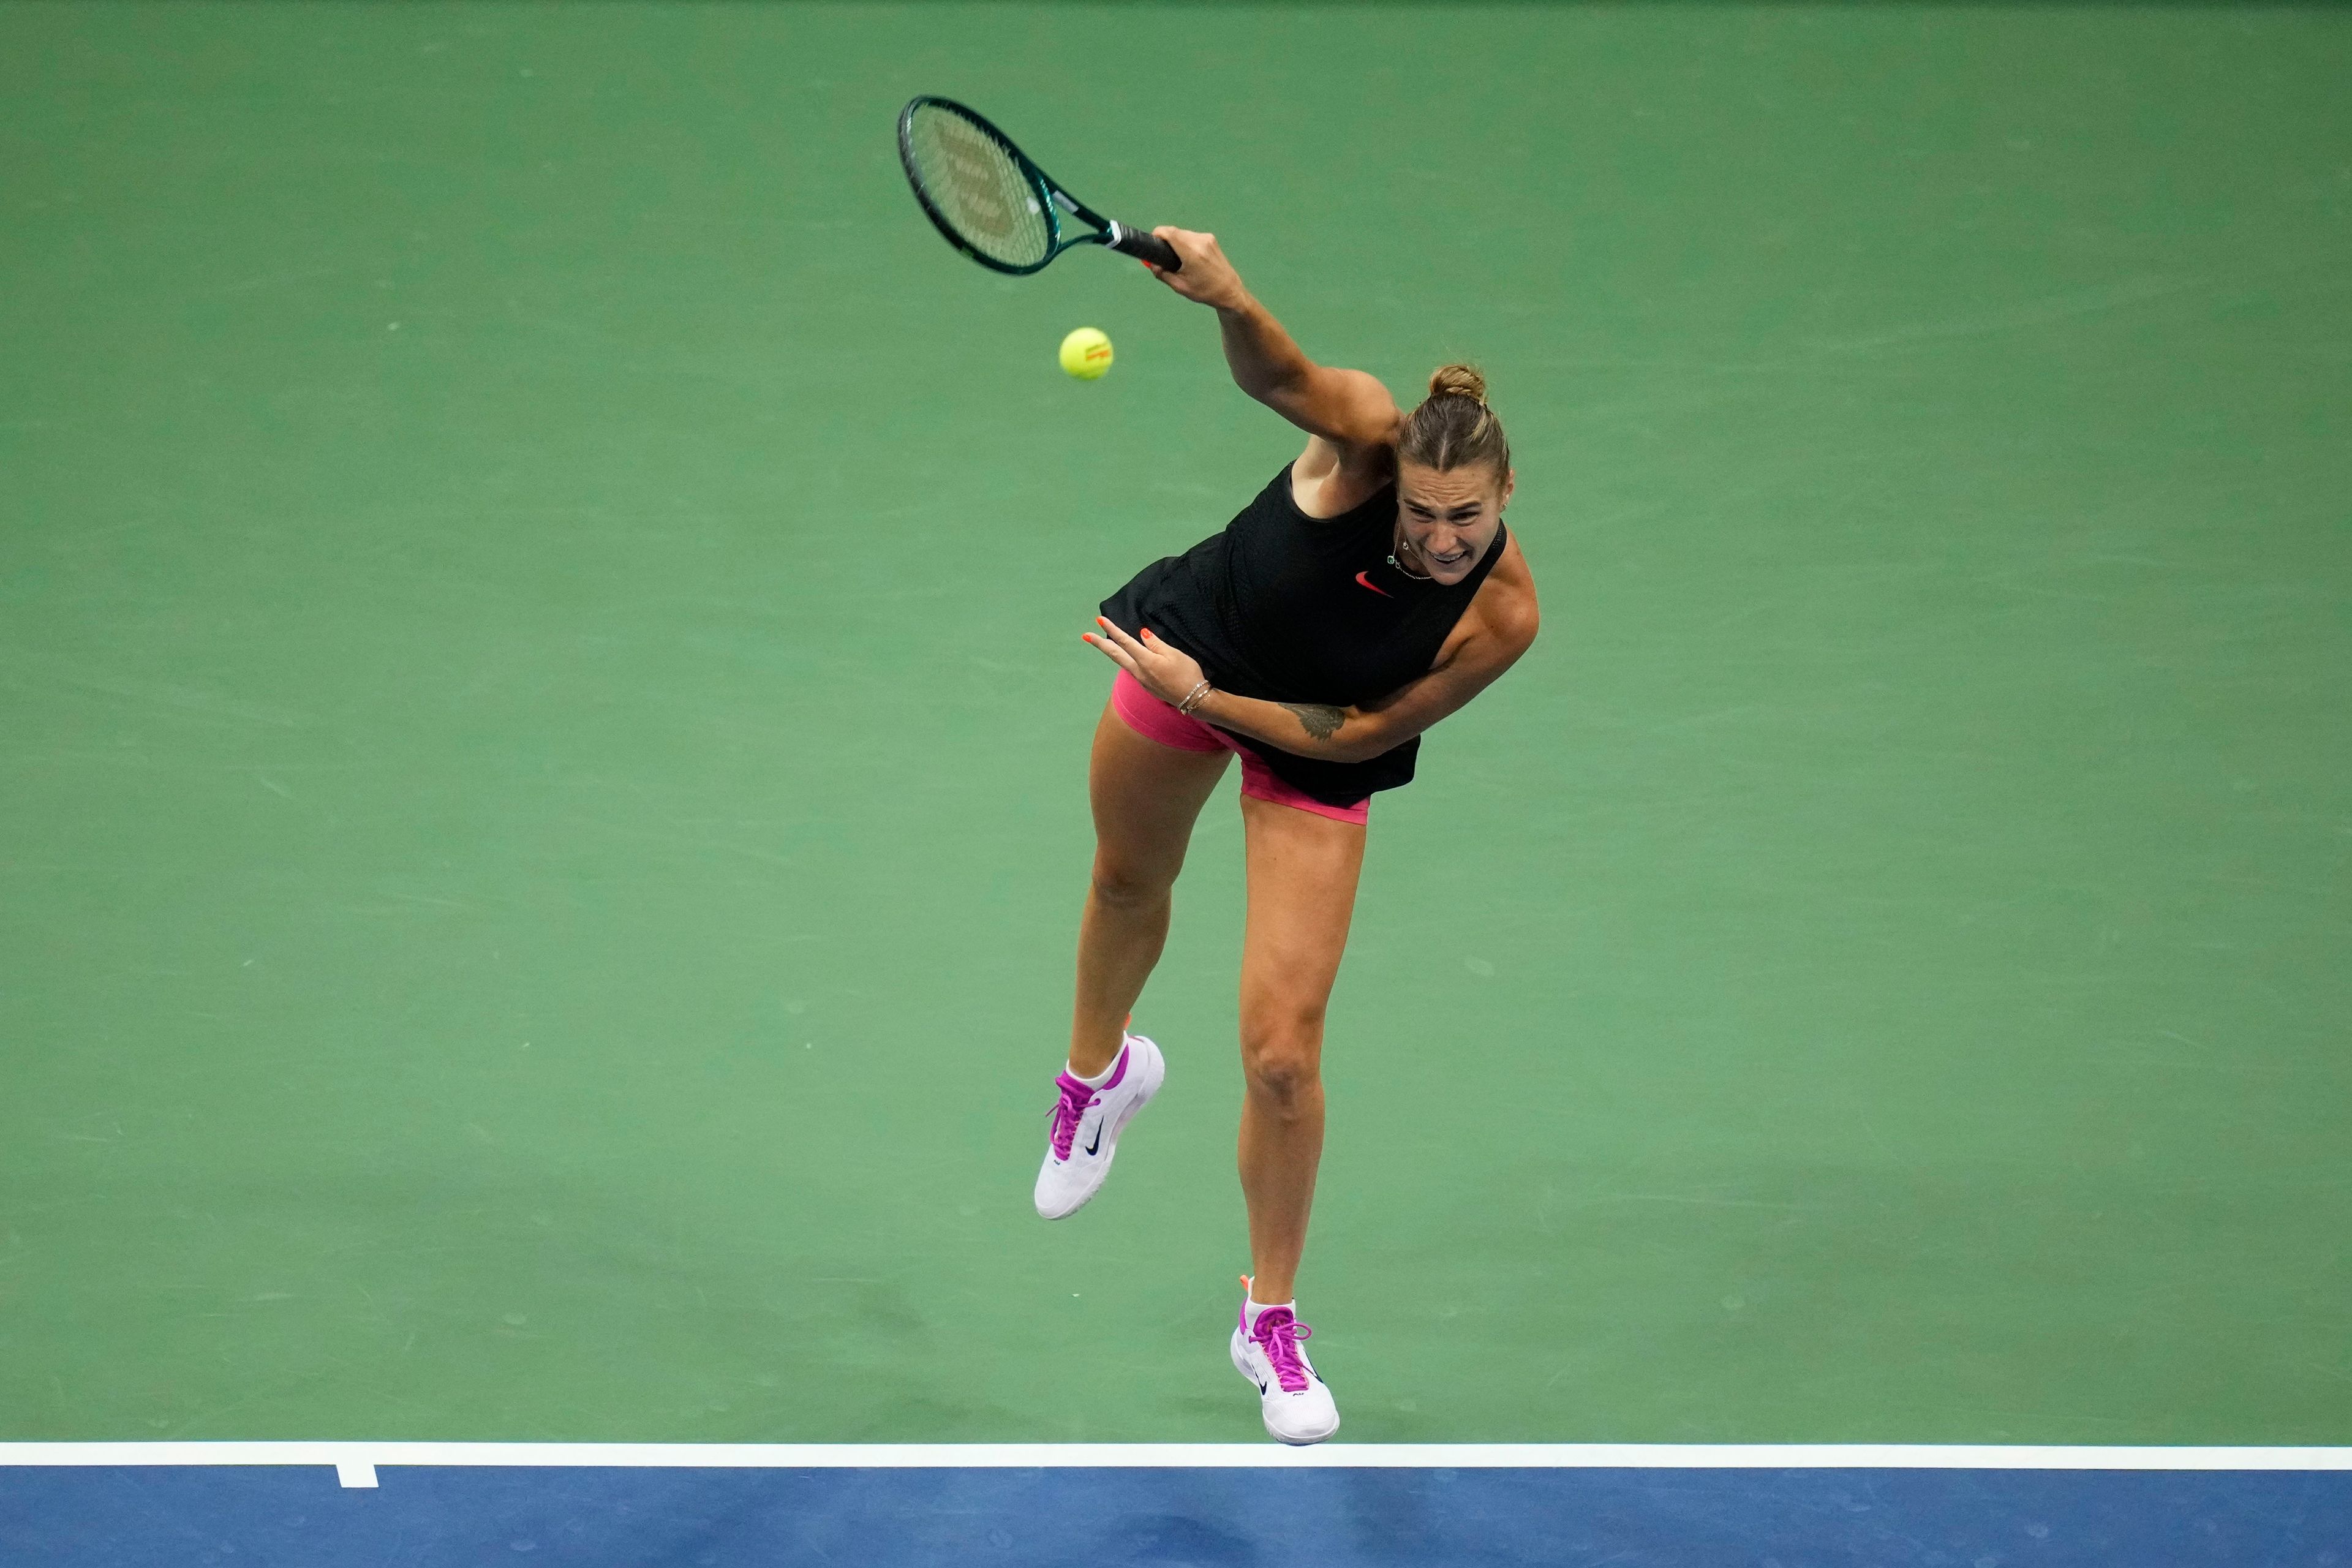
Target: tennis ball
<point x="1086" y="353"/>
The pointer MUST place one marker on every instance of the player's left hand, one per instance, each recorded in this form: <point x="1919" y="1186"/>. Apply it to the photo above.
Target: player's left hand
<point x="1167" y="671"/>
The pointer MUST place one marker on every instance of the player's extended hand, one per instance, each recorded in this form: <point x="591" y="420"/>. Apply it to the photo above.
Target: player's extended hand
<point x="1167" y="671"/>
<point x="1206" y="277"/>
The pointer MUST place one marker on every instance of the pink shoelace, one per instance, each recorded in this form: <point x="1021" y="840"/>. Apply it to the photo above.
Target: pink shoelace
<point x="1278" y="1334"/>
<point x="1069" y="1112"/>
<point x="1076" y="1098"/>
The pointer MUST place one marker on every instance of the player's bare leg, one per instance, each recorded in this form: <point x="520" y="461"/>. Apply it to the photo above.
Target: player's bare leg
<point x="1146" y="797"/>
<point x="1303" y="871"/>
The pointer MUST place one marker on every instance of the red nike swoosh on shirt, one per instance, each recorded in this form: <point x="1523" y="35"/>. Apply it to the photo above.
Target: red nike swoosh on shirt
<point x="1366" y="579"/>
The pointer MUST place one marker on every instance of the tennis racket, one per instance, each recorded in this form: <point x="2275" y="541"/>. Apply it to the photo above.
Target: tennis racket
<point x="992" y="200"/>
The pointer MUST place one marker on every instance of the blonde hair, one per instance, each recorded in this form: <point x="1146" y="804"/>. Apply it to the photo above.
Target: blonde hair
<point x="1454" y="428"/>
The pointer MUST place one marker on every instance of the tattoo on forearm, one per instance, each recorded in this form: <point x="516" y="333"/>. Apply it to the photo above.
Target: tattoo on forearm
<point x="1321" y="721"/>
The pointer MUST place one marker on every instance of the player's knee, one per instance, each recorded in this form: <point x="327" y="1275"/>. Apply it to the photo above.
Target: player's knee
<point x="1128" y="885"/>
<point x="1282" y="1048"/>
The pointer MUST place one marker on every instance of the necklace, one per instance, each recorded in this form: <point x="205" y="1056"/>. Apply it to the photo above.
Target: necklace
<point x="1407" y="547"/>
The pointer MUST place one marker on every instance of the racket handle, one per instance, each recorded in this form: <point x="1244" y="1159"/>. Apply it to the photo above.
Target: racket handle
<point x="1146" y="246"/>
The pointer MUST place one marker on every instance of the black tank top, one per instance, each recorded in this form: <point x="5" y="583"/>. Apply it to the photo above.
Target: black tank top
<point x="1292" y="608"/>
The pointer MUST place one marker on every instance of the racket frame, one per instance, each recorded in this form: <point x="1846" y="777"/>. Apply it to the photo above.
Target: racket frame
<point x="1052" y="200"/>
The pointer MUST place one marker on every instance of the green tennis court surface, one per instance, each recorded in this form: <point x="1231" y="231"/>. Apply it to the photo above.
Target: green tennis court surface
<point x="541" y="725"/>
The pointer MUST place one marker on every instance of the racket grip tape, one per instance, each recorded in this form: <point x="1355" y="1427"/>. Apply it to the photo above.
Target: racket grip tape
<point x="1145" y="246"/>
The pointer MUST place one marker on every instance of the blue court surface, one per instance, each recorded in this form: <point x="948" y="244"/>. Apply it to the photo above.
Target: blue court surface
<point x="2281" y="1507"/>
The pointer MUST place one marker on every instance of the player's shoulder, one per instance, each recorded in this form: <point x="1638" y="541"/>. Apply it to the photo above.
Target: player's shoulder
<point x="1506" y="602"/>
<point x="1371" y="415"/>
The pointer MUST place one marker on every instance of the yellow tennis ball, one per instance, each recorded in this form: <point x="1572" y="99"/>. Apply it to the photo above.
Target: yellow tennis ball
<point x="1086" y="353"/>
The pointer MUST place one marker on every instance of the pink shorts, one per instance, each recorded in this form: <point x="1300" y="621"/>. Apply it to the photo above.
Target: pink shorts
<point x="1154" y="720"/>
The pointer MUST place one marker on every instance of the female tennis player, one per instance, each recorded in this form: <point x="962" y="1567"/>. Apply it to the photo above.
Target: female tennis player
<point x="1365" y="594"/>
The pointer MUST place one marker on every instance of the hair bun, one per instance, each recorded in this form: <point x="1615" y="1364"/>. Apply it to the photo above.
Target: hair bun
<point x="1458" y="381"/>
<point x="1454" y="427"/>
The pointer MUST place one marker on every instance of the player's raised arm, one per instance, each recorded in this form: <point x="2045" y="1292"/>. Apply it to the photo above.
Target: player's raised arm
<point x="1349" y="408"/>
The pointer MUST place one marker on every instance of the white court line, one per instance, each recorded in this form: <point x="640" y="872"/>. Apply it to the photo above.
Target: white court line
<point x="354" y="1458"/>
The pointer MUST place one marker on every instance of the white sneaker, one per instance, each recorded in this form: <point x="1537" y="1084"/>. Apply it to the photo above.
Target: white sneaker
<point x="1086" y="1125"/>
<point x="1298" y="1409"/>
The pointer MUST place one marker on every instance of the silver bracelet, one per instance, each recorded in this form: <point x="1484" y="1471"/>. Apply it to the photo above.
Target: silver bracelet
<point x="1194" y="698"/>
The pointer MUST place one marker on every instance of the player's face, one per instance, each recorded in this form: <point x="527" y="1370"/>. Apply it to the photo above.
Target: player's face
<point x="1447" y="518"/>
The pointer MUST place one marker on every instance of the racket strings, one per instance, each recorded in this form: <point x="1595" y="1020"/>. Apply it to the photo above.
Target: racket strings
<point x="977" y="188"/>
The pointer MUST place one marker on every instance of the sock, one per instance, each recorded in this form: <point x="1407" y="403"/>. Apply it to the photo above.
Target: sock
<point x="1099" y="1079"/>
<point x="1256" y="1307"/>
